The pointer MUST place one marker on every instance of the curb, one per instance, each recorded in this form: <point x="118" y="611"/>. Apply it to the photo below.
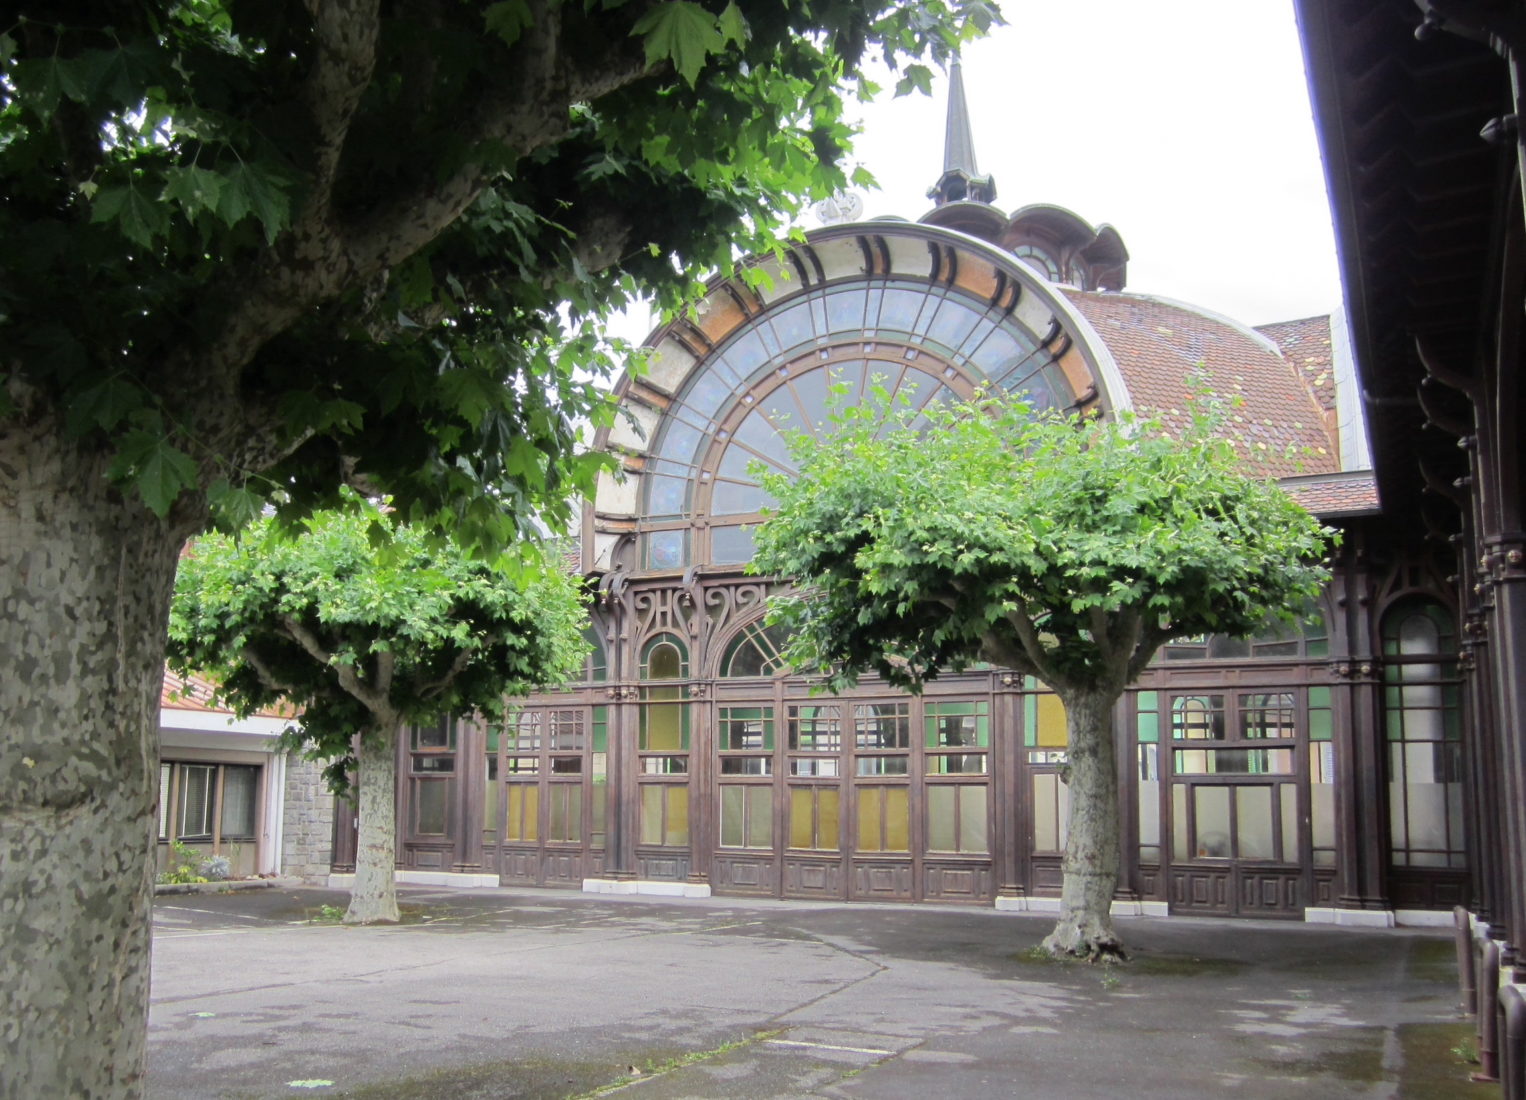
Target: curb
<point x="224" y="887"/>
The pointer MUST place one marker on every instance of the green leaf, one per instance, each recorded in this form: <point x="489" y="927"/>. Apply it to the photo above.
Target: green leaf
<point x="733" y="25"/>
<point x="682" y="32"/>
<point x="155" y="467"/>
<point x="138" y="217"/>
<point x="195" y="189"/>
<point x="508" y="19"/>
<point x="104" y="405"/>
<point x="235" y="508"/>
<point x="252" y="188"/>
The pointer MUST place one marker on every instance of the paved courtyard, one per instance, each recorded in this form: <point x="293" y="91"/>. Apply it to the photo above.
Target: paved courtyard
<point x="520" y="993"/>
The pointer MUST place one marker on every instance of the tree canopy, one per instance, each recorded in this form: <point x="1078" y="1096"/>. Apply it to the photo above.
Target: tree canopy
<point x="365" y="635"/>
<point x="367" y="243"/>
<point x="1068" y="549"/>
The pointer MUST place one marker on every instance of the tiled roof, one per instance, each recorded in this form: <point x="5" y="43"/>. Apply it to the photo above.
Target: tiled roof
<point x="1159" y="345"/>
<point x="198" y="693"/>
<point x="1332" y="495"/>
<point x="1305" y="343"/>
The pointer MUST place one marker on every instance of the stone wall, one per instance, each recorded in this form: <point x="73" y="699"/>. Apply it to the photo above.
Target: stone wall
<point x="308" y="829"/>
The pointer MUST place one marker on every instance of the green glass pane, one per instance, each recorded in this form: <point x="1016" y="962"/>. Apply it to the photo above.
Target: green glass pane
<point x="1319" y="697"/>
<point x="1149" y="726"/>
<point x="1148" y="700"/>
<point x="1030" y="718"/>
<point x="1320" y="725"/>
<point x="600" y="729"/>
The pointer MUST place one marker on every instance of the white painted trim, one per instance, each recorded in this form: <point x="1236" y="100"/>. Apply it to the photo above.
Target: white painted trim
<point x="275" y="814"/>
<point x="1356" y="918"/>
<point x="1052" y="905"/>
<point x="1423" y="918"/>
<point x="220" y="721"/>
<point x="1350" y="411"/>
<point x="458" y="879"/>
<point x="649" y="887"/>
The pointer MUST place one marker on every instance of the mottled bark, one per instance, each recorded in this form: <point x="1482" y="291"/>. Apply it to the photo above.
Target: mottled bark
<point x="85" y="586"/>
<point x="1085" y="927"/>
<point x="374" y="897"/>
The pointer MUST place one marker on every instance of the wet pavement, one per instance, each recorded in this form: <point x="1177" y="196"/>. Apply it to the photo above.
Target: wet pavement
<point x="525" y="993"/>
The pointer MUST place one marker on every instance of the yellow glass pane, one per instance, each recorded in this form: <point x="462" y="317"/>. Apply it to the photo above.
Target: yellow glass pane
<point x="662" y="727"/>
<point x="490" y="806"/>
<point x="1051" y="722"/>
<point x="828" y="813"/>
<point x="940" y="820"/>
<point x="897" y="819"/>
<point x="732" y="816"/>
<point x="869" y="819"/>
<point x="677" y="834"/>
<point x="800" y="804"/>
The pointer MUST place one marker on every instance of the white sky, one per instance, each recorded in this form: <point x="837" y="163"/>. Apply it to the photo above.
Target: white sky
<point x="1185" y="125"/>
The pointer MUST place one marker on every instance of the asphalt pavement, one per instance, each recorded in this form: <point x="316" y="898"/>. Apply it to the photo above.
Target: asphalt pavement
<point x="547" y="994"/>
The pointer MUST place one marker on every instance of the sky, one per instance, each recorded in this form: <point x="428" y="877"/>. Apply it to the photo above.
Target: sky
<point x="1184" y="125"/>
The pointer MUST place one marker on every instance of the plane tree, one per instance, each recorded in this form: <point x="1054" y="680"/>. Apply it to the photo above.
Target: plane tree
<point x="365" y="636"/>
<point x="1066" y="549"/>
<point x="259" y="249"/>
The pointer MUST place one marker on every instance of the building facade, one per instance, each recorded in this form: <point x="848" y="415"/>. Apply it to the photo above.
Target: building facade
<point x="1315" y="773"/>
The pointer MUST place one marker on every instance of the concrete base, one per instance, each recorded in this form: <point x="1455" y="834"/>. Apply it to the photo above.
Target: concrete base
<point x="1423" y="918"/>
<point x="460" y="880"/>
<point x="1052" y="905"/>
<point x="652" y="887"/>
<point x="1352" y="918"/>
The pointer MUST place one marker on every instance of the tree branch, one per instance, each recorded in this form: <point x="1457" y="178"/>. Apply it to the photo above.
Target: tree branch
<point x="266" y="674"/>
<point x="344" y="59"/>
<point x="345" y="674"/>
<point x="457" y="666"/>
<point x="1028" y="635"/>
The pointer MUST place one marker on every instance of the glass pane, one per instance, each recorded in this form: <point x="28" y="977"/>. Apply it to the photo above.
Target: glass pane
<point x="814" y="729"/>
<point x="651" y="814"/>
<point x="1046" y="832"/>
<point x="666" y="549"/>
<point x="801" y="832"/>
<point x="1149" y="795"/>
<point x="1253" y="809"/>
<point x="828" y="814"/>
<point x="676" y="833"/>
<point x="1047" y="721"/>
<point x="882" y="725"/>
<point x="804" y="766"/>
<point x="733" y="810"/>
<point x="164" y="801"/>
<point x="566" y="765"/>
<point x="1289" y="795"/>
<point x="665" y="765"/>
<point x="1322" y="795"/>
<point x="240" y="787"/>
<point x="195" y="800"/>
<point x="440" y="735"/>
<point x="1212" y="806"/>
<point x="882" y="765"/>
<point x="957" y="725"/>
<point x="869" y="836"/>
<point x="490" y="822"/>
<point x="746" y="728"/>
<point x="429" y="806"/>
<point x="972" y="819"/>
<point x="760" y="817"/>
<point x="1179" y="844"/>
<point x="521" y="765"/>
<point x="747" y="765"/>
<point x="971" y="763"/>
<point x="897" y="819"/>
<point x="1198" y="717"/>
<point x="940" y="819"/>
<point x="733" y="545"/>
<point x="435" y="764"/>
<point x="1234" y="761"/>
<point x="663" y="727"/>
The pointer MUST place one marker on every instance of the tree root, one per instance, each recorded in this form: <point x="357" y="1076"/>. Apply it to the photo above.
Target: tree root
<point x="1094" y="945"/>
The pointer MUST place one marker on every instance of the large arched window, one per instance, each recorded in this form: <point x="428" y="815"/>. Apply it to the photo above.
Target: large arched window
<point x="1423" y="726"/>
<point x="779" y="373"/>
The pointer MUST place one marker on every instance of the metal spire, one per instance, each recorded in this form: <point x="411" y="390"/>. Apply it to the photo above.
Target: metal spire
<point x="961" y="179"/>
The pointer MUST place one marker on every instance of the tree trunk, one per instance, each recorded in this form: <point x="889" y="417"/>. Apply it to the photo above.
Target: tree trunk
<point x="85" y="586"/>
<point x="374" y="897"/>
<point x="1085" y="927"/>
